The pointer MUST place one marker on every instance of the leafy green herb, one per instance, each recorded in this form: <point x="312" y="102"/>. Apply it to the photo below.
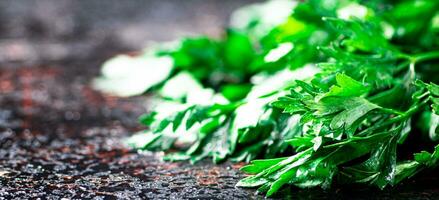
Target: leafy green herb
<point x="323" y="91"/>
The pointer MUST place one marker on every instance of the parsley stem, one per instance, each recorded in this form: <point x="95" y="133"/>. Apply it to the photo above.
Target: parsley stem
<point x="416" y="59"/>
<point x="426" y="56"/>
<point x="392" y="111"/>
<point x="396" y="119"/>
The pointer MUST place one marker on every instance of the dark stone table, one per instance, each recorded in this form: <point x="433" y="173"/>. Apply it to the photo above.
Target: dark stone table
<point x="61" y="139"/>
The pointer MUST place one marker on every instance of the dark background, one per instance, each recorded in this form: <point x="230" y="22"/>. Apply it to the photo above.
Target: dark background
<point x="60" y="138"/>
<point x="52" y="30"/>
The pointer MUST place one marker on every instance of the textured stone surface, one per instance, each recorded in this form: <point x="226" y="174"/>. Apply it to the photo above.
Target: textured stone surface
<point x="60" y="139"/>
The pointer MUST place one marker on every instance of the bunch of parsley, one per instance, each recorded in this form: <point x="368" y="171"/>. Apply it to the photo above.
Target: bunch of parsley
<point x="333" y="90"/>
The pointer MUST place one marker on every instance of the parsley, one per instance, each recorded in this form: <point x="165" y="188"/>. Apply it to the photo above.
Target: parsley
<point x="330" y="92"/>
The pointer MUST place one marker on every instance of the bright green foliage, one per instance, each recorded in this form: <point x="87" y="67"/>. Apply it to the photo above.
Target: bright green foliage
<point x="329" y="93"/>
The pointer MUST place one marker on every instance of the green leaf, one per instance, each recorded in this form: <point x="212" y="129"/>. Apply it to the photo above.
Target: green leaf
<point x="347" y="118"/>
<point x="147" y="119"/>
<point x="434" y="89"/>
<point x="346" y="87"/>
<point x="300" y="142"/>
<point x="235" y="92"/>
<point x="238" y="49"/>
<point x="257" y="166"/>
<point x="177" y="120"/>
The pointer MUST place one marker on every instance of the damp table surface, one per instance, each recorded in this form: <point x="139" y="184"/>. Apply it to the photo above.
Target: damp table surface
<point x="61" y="139"/>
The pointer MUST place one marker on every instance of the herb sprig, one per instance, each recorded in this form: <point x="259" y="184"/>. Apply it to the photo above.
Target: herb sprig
<point x="330" y="93"/>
